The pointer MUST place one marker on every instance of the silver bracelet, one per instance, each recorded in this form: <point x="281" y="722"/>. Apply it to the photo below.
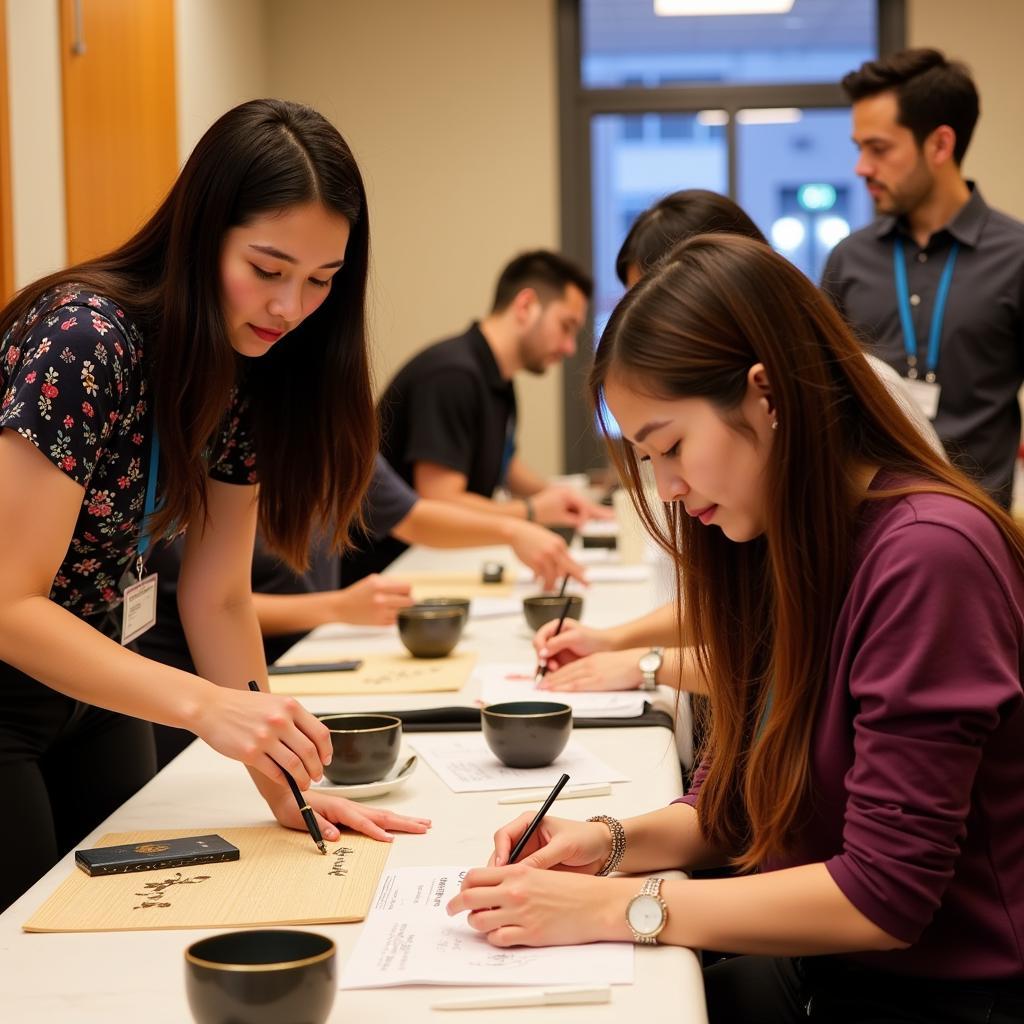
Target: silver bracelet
<point x="618" y="842"/>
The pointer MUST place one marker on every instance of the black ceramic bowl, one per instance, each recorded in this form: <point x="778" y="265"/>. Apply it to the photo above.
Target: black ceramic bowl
<point x="543" y="608"/>
<point x="446" y="602"/>
<point x="261" y="977"/>
<point x="430" y="632"/>
<point x="526" y="733"/>
<point x="365" y="747"/>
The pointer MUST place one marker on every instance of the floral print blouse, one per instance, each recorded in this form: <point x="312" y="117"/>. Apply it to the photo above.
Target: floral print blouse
<point x="73" y="382"/>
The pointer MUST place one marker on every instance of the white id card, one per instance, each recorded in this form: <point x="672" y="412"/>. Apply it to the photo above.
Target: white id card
<point x="139" y="608"/>
<point x="924" y="394"/>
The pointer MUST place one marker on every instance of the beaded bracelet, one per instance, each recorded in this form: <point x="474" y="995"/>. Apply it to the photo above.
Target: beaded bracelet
<point x="618" y="842"/>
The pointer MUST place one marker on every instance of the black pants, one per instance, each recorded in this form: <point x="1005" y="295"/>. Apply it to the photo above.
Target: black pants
<point x="779" y="990"/>
<point x="64" y="767"/>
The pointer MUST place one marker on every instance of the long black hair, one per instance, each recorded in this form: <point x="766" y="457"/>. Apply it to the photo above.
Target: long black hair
<point x="313" y="415"/>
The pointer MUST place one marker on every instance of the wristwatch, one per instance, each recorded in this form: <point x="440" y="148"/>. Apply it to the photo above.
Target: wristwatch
<point x="649" y="664"/>
<point x="647" y="913"/>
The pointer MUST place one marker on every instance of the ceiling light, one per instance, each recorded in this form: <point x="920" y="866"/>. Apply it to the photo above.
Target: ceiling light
<point x="692" y="8"/>
<point x="770" y="115"/>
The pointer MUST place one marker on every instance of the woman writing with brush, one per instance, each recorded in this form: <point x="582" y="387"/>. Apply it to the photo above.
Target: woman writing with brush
<point x="857" y="606"/>
<point x="209" y="374"/>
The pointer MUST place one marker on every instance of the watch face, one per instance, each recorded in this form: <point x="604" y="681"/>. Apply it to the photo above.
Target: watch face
<point x="650" y="662"/>
<point x="645" y="914"/>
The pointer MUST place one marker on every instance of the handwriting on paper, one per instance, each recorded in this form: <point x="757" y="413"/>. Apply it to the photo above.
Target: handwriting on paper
<point x="338" y="868"/>
<point x="158" y="890"/>
<point x="412" y="673"/>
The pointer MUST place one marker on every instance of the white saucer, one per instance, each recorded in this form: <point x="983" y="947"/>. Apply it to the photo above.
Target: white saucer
<point x="395" y="779"/>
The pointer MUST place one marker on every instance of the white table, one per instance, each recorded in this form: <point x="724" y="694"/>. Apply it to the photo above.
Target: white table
<point x="132" y="976"/>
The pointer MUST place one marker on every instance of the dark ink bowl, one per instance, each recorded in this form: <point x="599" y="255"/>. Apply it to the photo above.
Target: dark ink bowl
<point x="526" y="733"/>
<point x="365" y="747"/>
<point x="543" y="608"/>
<point x="429" y="631"/>
<point x="446" y="602"/>
<point x="261" y="977"/>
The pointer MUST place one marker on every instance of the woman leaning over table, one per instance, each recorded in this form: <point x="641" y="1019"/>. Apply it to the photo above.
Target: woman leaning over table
<point x="219" y="356"/>
<point x="857" y="608"/>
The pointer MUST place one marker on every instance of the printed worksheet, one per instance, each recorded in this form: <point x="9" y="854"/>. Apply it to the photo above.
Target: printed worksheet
<point x="465" y="762"/>
<point x="409" y="939"/>
<point x="502" y="681"/>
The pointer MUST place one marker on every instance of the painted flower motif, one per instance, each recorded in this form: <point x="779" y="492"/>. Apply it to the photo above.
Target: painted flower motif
<point x="137" y="438"/>
<point x="100" y="505"/>
<point x="67" y="356"/>
<point x="99" y="325"/>
<point x="69" y="323"/>
<point x="88" y="566"/>
<point x="68" y="463"/>
<point x="68" y="422"/>
<point x="89" y="379"/>
<point x="49" y="391"/>
<point x="94" y="302"/>
<point x="123" y="482"/>
<point x="12" y="357"/>
<point x="30" y="377"/>
<point x="88" y="410"/>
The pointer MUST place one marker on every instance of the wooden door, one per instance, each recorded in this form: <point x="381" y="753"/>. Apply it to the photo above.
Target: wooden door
<point x="6" y="225"/>
<point x="120" y="129"/>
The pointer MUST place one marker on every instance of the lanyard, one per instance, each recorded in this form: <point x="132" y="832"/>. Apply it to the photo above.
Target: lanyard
<point x="154" y="466"/>
<point x="906" y="320"/>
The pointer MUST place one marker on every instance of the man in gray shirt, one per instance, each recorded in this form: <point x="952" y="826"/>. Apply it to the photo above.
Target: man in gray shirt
<point x="935" y="286"/>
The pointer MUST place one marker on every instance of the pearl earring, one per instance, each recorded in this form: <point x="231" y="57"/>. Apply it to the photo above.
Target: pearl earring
<point x="775" y="424"/>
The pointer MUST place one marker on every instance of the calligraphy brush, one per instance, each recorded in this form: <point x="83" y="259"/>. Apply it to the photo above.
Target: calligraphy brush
<point x="304" y="809"/>
<point x="542" y="669"/>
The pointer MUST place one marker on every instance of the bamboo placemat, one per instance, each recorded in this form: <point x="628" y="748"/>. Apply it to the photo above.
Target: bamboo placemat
<point x="379" y="673"/>
<point x="279" y="879"/>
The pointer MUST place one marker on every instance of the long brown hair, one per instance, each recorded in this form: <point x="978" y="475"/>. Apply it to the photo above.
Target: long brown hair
<point x="313" y="414"/>
<point x="762" y="613"/>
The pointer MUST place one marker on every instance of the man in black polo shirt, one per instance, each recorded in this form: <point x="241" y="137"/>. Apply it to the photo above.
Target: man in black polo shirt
<point x="935" y="285"/>
<point x="448" y="417"/>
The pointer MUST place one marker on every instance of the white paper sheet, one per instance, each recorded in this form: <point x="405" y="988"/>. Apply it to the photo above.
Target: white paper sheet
<point x="501" y="681"/>
<point x="465" y="763"/>
<point x="409" y="939"/>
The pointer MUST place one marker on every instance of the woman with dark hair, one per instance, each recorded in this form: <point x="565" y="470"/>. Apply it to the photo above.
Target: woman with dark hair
<point x="679" y="215"/>
<point x="638" y="652"/>
<point x="856" y="606"/>
<point x="210" y="373"/>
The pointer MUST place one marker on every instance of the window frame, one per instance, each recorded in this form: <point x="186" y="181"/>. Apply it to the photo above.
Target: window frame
<point x="582" y="448"/>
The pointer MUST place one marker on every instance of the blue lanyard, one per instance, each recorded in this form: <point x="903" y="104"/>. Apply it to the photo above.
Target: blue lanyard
<point x="154" y="466"/>
<point x="899" y="267"/>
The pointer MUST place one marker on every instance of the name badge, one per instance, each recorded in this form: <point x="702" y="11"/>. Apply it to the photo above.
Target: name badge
<point x="138" y="609"/>
<point x="925" y="395"/>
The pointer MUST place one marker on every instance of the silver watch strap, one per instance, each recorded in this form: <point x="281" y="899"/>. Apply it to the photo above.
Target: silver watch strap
<point x="651" y="887"/>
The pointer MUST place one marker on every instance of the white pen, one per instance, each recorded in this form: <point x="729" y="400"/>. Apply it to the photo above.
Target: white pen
<point x="547" y="997"/>
<point x="533" y="796"/>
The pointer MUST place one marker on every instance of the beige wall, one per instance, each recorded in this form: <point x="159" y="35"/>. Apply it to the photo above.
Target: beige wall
<point x="986" y="35"/>
<point x="221" y="52"/>
<point x="37" y="139"/>
<point x="450" y="107"/>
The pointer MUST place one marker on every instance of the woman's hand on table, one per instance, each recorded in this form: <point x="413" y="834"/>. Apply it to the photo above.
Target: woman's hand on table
<point x="523" y="906"/>
<point x="559" y="843"/>
<point x="331" y="811"/>
<point x="606" y="670"/>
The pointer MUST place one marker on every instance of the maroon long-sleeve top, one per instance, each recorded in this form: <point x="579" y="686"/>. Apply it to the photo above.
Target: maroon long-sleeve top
<point x="917" y="805"/>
